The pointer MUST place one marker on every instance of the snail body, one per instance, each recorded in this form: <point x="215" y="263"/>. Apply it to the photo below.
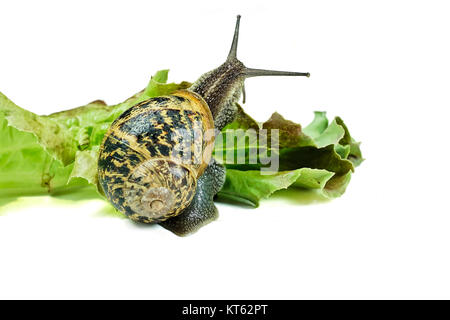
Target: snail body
<point x="155" y="160"/>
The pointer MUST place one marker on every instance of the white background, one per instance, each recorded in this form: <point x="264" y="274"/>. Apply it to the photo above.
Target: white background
<point x="383" y="66"/>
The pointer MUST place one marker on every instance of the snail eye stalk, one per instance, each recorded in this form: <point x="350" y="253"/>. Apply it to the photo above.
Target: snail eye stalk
<point x="250" y="72"/>
<point x="233" y="49"/>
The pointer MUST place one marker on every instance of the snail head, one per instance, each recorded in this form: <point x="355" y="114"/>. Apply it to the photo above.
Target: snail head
<point x="223" y="86"/>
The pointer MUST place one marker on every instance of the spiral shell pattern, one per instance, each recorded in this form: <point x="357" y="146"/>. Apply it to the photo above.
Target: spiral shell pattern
<point x="153" y="154"/>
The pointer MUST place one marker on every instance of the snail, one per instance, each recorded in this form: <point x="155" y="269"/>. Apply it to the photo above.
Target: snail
<point x="155" y="163"/>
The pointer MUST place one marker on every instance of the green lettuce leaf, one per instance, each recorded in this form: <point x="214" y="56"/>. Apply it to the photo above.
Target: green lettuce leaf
<point x="320" y="157"/>
<point x="249" y="187"/>
<point x="57" y="154"/>
<point x="29" y="162"/>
